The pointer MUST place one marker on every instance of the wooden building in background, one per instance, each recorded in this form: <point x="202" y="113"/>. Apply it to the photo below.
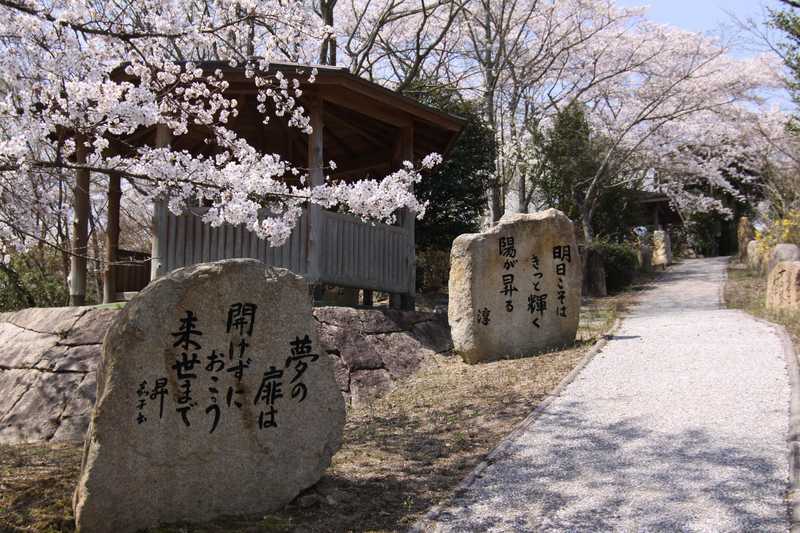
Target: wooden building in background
<point x="366" y="129"/>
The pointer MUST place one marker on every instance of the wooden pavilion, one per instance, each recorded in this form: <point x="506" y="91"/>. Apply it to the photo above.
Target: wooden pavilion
<point x="366" y="129"/>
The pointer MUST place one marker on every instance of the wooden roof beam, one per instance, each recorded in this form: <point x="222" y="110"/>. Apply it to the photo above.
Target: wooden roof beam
<point x="367" y="106"/>
<point x="345" y="124"/>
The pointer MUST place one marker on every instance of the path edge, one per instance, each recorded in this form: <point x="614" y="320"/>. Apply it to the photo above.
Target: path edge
<point x="427" y="521"/>
<point x="793" y="438"/>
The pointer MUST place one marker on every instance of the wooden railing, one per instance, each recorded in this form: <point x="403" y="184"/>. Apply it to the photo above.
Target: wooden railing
<point x="352" y="253"/>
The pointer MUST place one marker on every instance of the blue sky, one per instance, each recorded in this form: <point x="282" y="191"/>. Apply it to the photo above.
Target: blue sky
<point x="713" y="16"/>
<point x="700" y="15"/>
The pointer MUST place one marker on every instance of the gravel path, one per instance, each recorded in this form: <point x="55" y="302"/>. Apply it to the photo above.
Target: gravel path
<point x="678" y="424"/>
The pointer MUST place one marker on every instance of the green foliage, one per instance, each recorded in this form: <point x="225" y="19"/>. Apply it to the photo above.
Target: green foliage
<point x="572" y="156"/>
<point x="788" y="21"/>
<point x="620" y="263"/>
<point x="32" y="279"/>
<point x="705" y="234"/>
<point x="433" y="269"/>
<point x="456" y="190"/>
<point x="569" y="159"/>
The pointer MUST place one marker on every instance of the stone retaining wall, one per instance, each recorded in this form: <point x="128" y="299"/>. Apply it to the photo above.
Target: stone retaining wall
<point x="48" y="359"/>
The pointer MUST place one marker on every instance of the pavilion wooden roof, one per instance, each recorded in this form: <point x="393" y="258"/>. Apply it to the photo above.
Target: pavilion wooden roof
<point x="363" y="121"/>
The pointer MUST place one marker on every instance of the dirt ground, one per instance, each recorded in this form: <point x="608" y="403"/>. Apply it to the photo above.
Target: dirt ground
<point x="401" y="454"/>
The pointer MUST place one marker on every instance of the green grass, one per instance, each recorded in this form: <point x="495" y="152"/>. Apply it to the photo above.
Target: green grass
<point x="747" y="290"/>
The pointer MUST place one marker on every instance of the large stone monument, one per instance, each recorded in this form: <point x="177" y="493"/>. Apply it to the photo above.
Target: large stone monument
<point x="662" y="249"/>
<point x="744" y="234"/>
<point x="213" y="398"/>
<point x="783" y="286"/>
<point x="516" y="288"/>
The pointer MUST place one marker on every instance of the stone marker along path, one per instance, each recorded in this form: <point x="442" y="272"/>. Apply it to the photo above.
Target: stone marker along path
<point x="678" y="424"/>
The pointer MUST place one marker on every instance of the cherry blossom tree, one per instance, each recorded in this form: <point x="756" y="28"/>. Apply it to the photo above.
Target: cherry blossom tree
<point x="680" y="106"/>
<point x="82" y="76"/>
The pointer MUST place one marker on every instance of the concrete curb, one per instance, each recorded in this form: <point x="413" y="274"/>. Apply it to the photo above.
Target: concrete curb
<point x="793" y="368"/>
<point x="427" y="524"/>
<point x="793" y="438"/>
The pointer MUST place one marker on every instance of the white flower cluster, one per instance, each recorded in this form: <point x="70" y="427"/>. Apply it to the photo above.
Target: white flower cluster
<point x="103" y="73"/>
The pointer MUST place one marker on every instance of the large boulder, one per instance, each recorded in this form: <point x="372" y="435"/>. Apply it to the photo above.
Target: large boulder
<point x="744" y="234"/>
<point x="515" y="289"/>
<point x="782" y="252"/>
<point x="213" y="398"/>
<point x="662" y="249"/>
<point x="48" y="358"/>
<point x="754" y="257"/>
<point x="375" y="348"/>
<point x="783" y="286"/>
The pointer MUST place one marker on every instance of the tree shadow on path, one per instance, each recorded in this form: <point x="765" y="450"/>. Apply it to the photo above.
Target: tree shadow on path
<point x="572" y="474"/>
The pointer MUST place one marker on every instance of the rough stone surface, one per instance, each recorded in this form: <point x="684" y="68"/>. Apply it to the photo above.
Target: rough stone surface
<point x="662" y="249"/>
<point x="46" y="383"/>
<point x="744" y="234"/>
<point x="515" y="289"/>
<point x="373" y="348"/>
<point x="782" y="252"/>
<point x="783" y="286"/>
<point x="753" y="256"/>
<point x="680" y="423"/>
<point x="409" y="337"/>
<point x="644" y="255"/>
<point x="251" y="413"/>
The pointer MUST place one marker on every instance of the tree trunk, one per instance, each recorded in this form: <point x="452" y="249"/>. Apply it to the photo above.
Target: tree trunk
<point x="327" y="54"/>
<point x="112" y="239"/>
<point x="80" y="228"/>
<point x="522" y="192"/>
<point x="98" y="276"/>
<point x="586" y="223"/>
<point x="497" y="202"/>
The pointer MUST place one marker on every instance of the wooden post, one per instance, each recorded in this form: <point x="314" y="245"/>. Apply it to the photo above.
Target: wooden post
<point x="405" y="152"/>
<point x="80" y="227"/>
<point x="112" y="239"/>
<point x="317" y="177"/>
<point x="158" y="242"/>
<point x="366" y="297"/>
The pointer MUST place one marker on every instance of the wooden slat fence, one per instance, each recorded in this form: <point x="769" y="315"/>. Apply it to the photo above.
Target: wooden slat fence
<point x="353" y="254"/>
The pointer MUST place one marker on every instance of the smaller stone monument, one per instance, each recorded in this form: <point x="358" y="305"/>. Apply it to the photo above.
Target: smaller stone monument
<point x="213" y="398"/>
<point x="782" y="252"/>
<point x="783" y="286"/>
<point x="644" y="256"/>
<point x="744" y="234"/>
<point x="516" y="288"/>
<point x="594" y="273"/>
<point x="754" y="257"/>
<point x="662" y="249"/>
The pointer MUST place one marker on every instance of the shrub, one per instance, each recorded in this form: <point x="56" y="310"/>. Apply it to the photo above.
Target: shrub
<point x="620" y="263"/>
<point x="433" y="270"/>
<point x="784" y="230"/>
<point x="32" y="278"/>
